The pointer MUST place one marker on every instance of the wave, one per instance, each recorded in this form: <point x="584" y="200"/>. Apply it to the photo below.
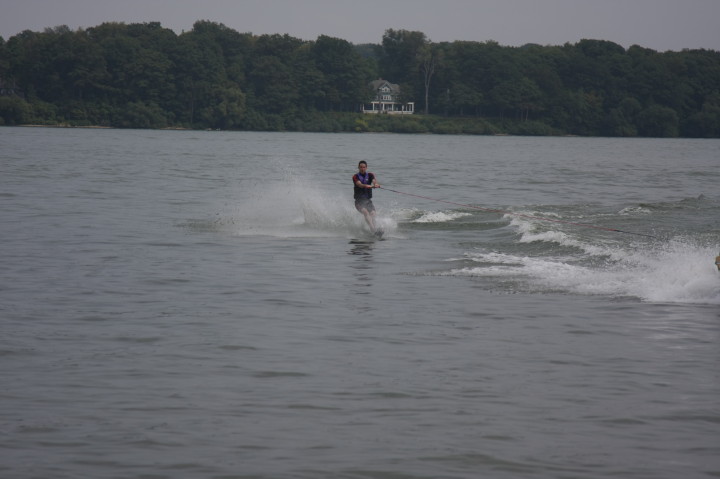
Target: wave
<point x="439" y="217"/>
<point x="529" y="233"/>
<point x="522" y="253"/>
<point x="635" y="210"/>
<point x="544" y="257"/>
<point x="677" y="272"/>
<point x="701" y="202"/>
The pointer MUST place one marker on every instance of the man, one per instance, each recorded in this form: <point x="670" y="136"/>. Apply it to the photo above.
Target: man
<point x="364" y="182"/>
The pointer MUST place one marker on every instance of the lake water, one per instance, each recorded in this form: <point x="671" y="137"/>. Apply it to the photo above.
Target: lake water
<point x="182" y="304"/>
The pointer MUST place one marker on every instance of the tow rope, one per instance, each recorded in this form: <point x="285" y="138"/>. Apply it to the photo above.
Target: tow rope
<point x="505" y="212"/>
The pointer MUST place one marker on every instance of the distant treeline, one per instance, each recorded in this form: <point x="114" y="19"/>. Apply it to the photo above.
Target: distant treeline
<point x="213" y="77"/>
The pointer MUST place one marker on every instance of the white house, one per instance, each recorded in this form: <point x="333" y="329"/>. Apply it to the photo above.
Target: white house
<point x="387" y="99"/>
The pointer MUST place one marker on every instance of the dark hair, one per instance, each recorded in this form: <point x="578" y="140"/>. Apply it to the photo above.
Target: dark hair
<point x="362" y="162"/>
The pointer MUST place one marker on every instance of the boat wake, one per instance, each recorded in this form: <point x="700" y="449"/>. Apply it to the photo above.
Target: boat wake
<point x="677" y="271"/>
<point x="518" y="253"/>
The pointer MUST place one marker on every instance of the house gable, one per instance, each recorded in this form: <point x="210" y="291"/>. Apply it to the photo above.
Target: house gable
<point x="385" y="91"/>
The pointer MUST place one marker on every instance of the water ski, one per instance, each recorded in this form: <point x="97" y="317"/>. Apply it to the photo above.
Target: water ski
<point x="379" y="233"/>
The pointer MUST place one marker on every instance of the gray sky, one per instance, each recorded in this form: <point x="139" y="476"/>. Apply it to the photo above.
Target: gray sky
<point x="658" y="24"/>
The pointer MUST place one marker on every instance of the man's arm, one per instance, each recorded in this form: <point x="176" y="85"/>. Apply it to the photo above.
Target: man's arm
<point x="360" y="184"/>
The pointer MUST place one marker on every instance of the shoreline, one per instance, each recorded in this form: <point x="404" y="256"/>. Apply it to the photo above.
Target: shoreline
<point x="180" y="128"/>
<point x="97" y="127"/>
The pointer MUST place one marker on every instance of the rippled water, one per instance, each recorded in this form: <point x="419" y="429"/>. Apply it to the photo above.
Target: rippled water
<point x="210" y="304"/>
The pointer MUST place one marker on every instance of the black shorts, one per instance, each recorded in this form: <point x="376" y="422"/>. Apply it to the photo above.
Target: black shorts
<point x="364" y="203"/>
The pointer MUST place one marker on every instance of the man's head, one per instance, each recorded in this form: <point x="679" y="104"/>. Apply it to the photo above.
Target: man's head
<point x="362" y="166"/>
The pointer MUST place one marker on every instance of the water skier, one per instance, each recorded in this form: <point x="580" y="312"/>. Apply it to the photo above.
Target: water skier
<point x="364" y="182"/>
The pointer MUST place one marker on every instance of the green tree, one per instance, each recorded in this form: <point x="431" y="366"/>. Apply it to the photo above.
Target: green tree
<point x="13" y="110"/>
<point x="428" y="58"/>
<point x="272" y="82"/>
<point x="658" y="121"/>
<point x="620" y="121"/>
<point x="199" y="71"/>
<point x="398" y="56"/>
<point x="4" y="59"/>
<point x="274" y="87"/>
<point x="344" y="80"/>
<point x="398" y="59"/>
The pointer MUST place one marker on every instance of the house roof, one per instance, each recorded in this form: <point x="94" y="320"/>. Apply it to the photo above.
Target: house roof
<point x="379" y="83"/>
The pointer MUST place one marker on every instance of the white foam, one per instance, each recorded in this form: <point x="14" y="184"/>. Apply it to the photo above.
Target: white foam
<point x="528" y="235"/>
<point x="678" y="272"/>
<point x="404" y="214"/>
<point x="439" y="217"/>
<point x="289" y="208"/>
<point x="634" y="210"/>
